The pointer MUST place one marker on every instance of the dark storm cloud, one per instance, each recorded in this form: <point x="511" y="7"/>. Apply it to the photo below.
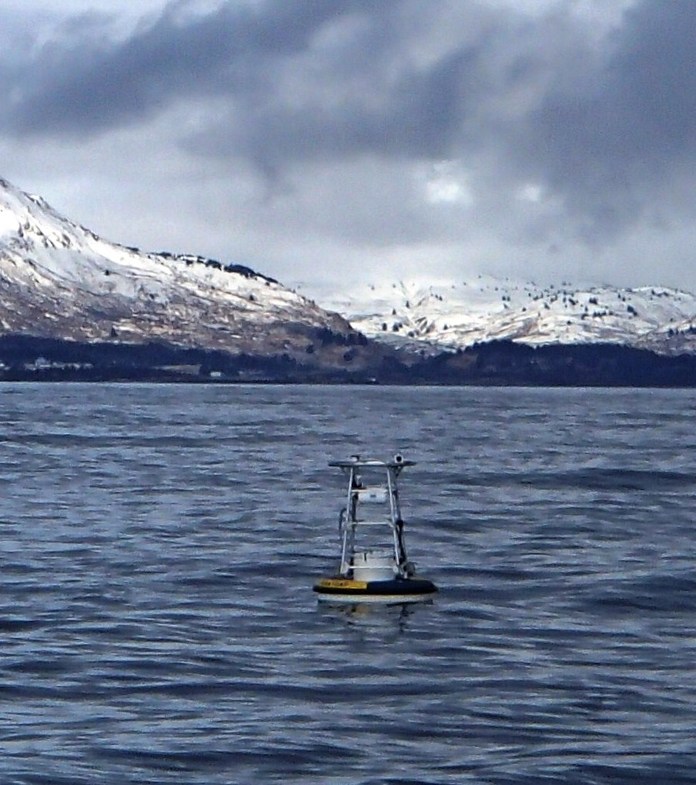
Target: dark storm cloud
<point x="625" y="125"/>
<point x="421" y="115"/>
<point x="597" y="120"/>
<point x="82" y="81"/>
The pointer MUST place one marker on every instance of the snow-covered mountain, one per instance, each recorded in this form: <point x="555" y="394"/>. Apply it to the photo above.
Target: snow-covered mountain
<point x="431" y="318"/>
<point x="59" y="280"/>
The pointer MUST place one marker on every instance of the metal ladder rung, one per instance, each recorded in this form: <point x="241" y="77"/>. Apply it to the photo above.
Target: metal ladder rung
<point x="373" y="523"/>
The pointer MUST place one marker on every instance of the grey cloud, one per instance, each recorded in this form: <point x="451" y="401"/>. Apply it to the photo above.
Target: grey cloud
<point x="370" y="97"/>
<point x="636" y="100"/>
<point x="629" y="122"/>
<point x="653" y="69"/>
<point x="598" y="122"/>
<point x="421" y="116"/>
<point x="82" y="83"/>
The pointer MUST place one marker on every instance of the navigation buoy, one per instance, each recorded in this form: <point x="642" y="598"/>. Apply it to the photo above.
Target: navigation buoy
<point x="373" y="566"/>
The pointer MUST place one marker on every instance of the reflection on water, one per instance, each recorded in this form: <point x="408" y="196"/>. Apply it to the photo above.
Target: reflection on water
<point x="374" y="618"/>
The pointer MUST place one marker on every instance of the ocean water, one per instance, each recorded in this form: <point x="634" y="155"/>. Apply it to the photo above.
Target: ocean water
<point x="159" y="544"/>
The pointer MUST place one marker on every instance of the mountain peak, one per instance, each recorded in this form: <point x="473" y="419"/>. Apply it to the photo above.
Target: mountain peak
<point x="60" y="280"/>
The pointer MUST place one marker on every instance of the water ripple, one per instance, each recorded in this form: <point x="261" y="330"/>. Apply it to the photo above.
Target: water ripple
<point x="159" y="545"/>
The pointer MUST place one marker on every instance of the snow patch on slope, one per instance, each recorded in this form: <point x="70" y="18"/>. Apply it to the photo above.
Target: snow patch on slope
<point x="56" y="276"/>
<point x="449" y="316"/>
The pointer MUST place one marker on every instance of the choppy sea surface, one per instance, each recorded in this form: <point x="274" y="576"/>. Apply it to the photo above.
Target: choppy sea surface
<point x="159" y="543"/>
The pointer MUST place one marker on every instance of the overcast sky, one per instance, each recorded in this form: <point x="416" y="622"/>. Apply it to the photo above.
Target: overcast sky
<point x="315" y="140"/>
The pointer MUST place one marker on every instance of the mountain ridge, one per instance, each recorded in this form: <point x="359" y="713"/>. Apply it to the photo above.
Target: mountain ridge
<point x="75" y="306"/>
<point x="61" y="280"/>
<point x="448" y="316"/>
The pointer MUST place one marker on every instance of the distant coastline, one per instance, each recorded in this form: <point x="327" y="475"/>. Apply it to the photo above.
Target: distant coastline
<point x="497" y="363"/>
